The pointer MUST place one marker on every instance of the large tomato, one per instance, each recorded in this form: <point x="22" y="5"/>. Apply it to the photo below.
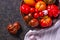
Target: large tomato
<point x="40" y="5"/>
<point x="46" y="22"/>
<point x="52" y="10"/>
<point x="49" y="1"/>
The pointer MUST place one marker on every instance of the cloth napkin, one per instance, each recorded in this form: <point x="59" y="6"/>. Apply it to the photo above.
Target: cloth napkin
<point x="52" y="33"/>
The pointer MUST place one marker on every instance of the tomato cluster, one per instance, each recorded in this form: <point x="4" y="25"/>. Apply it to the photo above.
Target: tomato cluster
<point x="39" y="12"/>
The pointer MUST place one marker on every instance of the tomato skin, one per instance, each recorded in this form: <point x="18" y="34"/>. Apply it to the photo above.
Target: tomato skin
<point x="46" y="22"/>
<point x="25" y="8"/>
<point x="36" y="15"/>
<point x="29" y="2"/>
<point x="53" y="10"/>
<point x="13" y="28"/>
<point x="36" y="10"/>
<point x="34" y="23"/>
<point x="40" y="5"/>
<point x="41" y="14"/>
<point x="32" y="10"/>
<point x="38" y="0"/>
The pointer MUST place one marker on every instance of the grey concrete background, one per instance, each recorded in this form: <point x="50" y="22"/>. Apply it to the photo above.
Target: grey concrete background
<point x="9" y="13"/>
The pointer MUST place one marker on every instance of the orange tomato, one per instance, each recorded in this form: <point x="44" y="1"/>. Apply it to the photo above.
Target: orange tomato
<point x="40" y="5"/>
<point x="30" y="2"/>
<point x="46" y="22"/>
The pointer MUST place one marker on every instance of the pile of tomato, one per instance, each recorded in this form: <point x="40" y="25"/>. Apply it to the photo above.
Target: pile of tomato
<point x="39" y="13"/>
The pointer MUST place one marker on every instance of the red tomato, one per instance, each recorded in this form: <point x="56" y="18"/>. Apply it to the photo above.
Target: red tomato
<point x="36" y="15"/>
<point x="53" y="10"/>
<point x="38" y="0"/>
<point x="41" y="14"/>
<point x="13" y="28"/>
<point x="34" y="23"/>
<point x="59" y="11"/>
<point x="32" y="10"/>
<point x="46" y="21"/>
<point x="36" y="10"/>
<point x="25" y="9"/>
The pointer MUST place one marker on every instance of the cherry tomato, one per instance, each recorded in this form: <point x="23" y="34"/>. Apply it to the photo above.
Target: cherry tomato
<point x="36" y="15"/>
<point x="25" y="8"/>
<point x="41" y="14"/>
<point x="38" y="0"/>
<point x="32" y="10"/>
<point x="34" y="23"/>
<point x="36" y="10"/>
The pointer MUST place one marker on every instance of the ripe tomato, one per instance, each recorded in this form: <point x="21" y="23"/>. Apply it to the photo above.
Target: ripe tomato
<point x="28" y="17"/>
<point x="46" y="21"/>
<point x="34" y="23"/>
<point x="52" y="10"/>
<point x="38" y="0"/>
<point x="30" y="2"/>
<point x="40" y="5"/>
<point x="13" y="28"/>
<point x="36" y="15"/>
<point x="25" y="9"/>
<point x="32" y="10"/>
<point x="36" y="10"/>
<point x="41" y="14"/>
<point x="59" y="11"/>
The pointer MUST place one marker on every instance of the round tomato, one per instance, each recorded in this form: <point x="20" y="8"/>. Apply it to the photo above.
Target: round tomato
<point x="34" y="23"/>
<point x="36" y="15"/>
<point x="40" y="5"/>
<point x="25" y="9"/>
<point x="32" y="10"/>
<point x="46" y="22"/>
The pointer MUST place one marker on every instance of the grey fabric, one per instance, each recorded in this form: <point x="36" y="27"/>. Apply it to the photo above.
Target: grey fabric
<point x="52" y="33"/>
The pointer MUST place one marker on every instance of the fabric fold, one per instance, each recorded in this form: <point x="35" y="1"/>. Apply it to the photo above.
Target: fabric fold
<point x="52" y="33"/>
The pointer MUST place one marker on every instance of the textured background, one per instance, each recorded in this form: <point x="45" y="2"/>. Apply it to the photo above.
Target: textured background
<point x="9" y="13"/>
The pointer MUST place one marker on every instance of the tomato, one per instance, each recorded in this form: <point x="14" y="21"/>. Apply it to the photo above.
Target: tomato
<point x="41" y="14"/>
<point x="32" y="10"/>
<point x="36" y="15"/>
<point x="33" y="23"/>
<point x="13" y="28"/>
<point x="46" y="22"/>
<point x="36" y="10"/>
<point x="59" y="11"/>
<point x="52" y="10"/>
<point x="25" y="9"/>
<point x="40" y="5"/>
<point x="30" y="2"/>
<point x="38" y="0"/>
<point x="49" y="1"/>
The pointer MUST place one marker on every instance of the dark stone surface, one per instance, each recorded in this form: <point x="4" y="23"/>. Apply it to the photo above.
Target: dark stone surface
<point x="9" y="13"/>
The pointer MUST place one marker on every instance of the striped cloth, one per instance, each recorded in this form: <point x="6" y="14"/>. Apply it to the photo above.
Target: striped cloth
<point x="52" y="33"/>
